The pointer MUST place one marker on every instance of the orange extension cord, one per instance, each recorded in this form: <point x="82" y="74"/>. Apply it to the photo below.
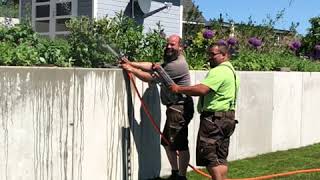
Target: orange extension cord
<point x="194" y="168"/>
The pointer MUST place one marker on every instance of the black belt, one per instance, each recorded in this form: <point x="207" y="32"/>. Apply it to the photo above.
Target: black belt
<point x="217" y="114"/>
<point x="181" y="101"/>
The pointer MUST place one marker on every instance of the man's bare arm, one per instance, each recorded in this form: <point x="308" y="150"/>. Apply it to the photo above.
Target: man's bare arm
<point x="144" y="66"/>
<point x="196" y="90"/>
<point x="144" y="76"/>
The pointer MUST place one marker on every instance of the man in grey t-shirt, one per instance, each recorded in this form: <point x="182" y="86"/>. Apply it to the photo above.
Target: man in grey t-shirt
<point x="179" y="107"/>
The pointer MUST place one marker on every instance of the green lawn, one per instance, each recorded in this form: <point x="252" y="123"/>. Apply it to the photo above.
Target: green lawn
<point x="277" y="162"/>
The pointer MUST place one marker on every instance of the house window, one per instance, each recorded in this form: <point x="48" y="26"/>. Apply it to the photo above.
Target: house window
<point x="49" y="16"/>
<point x="42" y="26"/>
<point x="64" y="9"/>
<point x="61" y="24"/>
<point x="42" y="11"/>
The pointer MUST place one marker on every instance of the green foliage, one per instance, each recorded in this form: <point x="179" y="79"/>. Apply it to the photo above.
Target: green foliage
<point x="312" y="38"/>
<point x="273" y="54"/>
<point x="254" y="61"/>
<point x="272" y="61"/>
<point x="54" y="52"/>
<point x="6" y="54"/>
<point x="120" y="32"/>
<point x="196" y="52"/>
<point x="25" y="55"/>
<point x="153" y="46"/>
<point x="194" y="22"/>
<point x="21" y="46"/>
<point x="19" y="42"/>
<point x="83" y="43"/>
<point x="18" y="34"/>
<point x="10" y="10"/>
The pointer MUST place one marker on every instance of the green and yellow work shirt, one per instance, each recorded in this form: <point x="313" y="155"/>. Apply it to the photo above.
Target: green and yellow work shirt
<point x="221" y="81"/>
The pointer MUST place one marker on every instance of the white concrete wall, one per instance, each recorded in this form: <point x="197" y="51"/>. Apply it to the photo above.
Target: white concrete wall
<point x="67" y="123"/>
<point x="61" y="123"/>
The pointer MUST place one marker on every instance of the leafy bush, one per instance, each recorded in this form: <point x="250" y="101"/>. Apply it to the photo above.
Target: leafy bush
<point x="18" y="34"/>
<point x="6" y="54"/>
<point x="254" y="61"/>
<point x="9" y="10"/>
<point x="25" y="55"/>
<point x="312" y="39"/>
<point x="153" y="46"/>
<point x="54" y="52"/>
<point x="257" y="47"/>
<point x="272" y="61"/>
<point x="120" y="32"/>
<point x="21" y="46"/>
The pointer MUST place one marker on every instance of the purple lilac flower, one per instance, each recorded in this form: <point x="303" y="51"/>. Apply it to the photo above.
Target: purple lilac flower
<point x="255" y="42"/>
<point x="317" y="51"/>
<point x="295" y="45"/>
<point x="208" y="34"/>
<point x="317" y="48"/>
<point x="232" y="41"/>
<point x="222" y="42"/>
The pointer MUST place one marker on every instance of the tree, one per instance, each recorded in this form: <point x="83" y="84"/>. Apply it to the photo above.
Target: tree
<point x="312" y="38"/>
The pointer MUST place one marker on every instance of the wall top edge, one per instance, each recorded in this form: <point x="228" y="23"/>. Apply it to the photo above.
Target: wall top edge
<point x="59" y="68"/>
<point x="119" y="69"/>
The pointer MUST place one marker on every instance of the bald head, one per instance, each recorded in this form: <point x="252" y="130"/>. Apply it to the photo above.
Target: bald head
<point x="173" y="48"/>
<point x="176" y="38"/>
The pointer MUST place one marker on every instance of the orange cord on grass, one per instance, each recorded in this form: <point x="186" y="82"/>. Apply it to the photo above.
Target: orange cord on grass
<point x="198" y="170"/>
<point x="280" y="174"/>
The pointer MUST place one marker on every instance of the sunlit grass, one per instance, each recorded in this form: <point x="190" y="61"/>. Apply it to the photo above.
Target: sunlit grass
<point x="277" y="162"/>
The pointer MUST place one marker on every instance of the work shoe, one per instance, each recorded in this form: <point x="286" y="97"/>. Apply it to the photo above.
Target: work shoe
<point x="181" y="177"/>
<point x="174" y="175"/>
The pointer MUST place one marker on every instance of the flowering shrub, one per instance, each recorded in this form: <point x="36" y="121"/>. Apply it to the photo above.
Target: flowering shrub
<point x="20" y="45"/>
<point x="232" y="41"/>
<point x="295" y="45"/>
<point x="208" y="34"/>
<point x="222" y="42"/>
<point x="255" y="42"/>
<point x="316" y="51"/>
<point x="258" y="47"/>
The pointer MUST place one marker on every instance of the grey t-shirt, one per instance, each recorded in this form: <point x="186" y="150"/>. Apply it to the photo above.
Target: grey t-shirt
<point x="178" y="71"/>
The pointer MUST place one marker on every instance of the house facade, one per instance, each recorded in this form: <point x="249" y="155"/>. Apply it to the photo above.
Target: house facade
<point x="48" y="17"/>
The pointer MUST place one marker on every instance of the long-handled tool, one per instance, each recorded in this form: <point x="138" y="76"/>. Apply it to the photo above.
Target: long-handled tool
<point x="158" y="70"/>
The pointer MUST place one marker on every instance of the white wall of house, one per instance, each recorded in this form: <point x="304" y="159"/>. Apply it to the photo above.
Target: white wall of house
<point x="170" y="18"/>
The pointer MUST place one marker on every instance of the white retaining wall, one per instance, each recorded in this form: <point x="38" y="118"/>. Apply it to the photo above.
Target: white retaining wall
<point x="67" y="123"/>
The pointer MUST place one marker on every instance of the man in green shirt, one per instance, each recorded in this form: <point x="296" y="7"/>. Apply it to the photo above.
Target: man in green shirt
<point x="216" y="105"/>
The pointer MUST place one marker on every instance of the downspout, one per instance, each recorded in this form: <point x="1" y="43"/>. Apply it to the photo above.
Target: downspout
<point x="132" y="9"/>
<point x="181" y="19"/>
<point x="94" y="8"/>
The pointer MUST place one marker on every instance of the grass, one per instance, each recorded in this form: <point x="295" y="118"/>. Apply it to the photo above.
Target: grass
<point x="277" y="162"/>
